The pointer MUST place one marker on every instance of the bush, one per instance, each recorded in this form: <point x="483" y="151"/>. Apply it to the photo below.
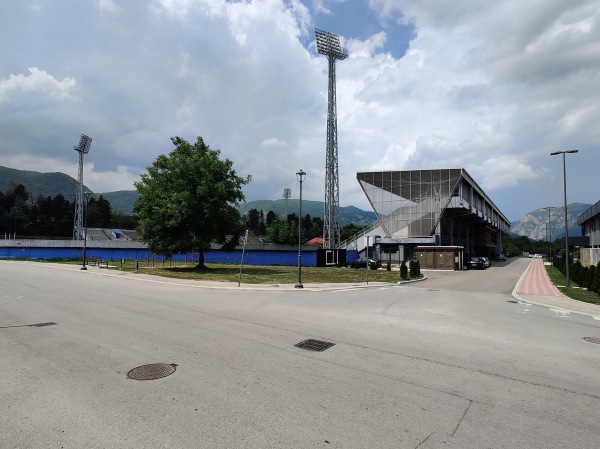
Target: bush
<point x="590" y="278"/>
<point x="415" y="268"/>
<point x="388" y="266"/>
<point x="403" y="271"/>
<point x="596" y="283"/>
<point x="578" y="273"/>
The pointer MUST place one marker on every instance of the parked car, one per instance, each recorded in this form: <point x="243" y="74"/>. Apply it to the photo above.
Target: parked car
<point x="476" y="262"/>
<point x="486" y="262"/>
<point x="361" y="262"/>
<point x="501" y="257"/>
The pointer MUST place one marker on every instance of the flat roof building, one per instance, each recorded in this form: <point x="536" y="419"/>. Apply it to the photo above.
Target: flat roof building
<point x="590" y="228"/>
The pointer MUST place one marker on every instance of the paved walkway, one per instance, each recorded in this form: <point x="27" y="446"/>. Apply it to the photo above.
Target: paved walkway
<point x="535" y="287"/>
<point x="535" y="281"/>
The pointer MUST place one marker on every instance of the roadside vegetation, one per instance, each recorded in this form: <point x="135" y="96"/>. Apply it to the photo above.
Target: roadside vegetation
<point x="575" y="291"/>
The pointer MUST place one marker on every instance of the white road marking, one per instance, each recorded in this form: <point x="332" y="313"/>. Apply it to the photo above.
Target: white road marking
<point x="561" y="313"/>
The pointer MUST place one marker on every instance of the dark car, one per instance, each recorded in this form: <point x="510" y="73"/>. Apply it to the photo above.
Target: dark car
<point x="361" y="262"/>
<point x="476" y="262"/>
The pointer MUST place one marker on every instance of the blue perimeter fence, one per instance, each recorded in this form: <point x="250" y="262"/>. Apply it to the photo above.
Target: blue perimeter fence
<point x="251" y="257"/>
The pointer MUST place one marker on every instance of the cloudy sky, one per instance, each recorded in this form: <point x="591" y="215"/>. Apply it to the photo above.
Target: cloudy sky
<point x="493" y="87"/>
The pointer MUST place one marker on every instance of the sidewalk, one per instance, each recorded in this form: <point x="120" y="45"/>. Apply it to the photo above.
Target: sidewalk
<point x="535" y="287"/>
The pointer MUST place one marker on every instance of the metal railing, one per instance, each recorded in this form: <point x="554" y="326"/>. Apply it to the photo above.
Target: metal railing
<point x="363" y="232"/>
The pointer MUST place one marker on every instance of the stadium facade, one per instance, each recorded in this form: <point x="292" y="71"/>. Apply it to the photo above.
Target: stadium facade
<point x="420" y="209"/>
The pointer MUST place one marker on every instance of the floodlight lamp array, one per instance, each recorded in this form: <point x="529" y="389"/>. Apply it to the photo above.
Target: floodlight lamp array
<point x="329" y="45"/>
<point x="85" y="142"/>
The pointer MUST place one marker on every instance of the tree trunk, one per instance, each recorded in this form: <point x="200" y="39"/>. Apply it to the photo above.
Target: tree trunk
<point x="201" y="259"/>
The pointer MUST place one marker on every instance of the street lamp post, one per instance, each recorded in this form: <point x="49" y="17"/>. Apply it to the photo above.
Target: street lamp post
<point x="549" y="235"/>
<point x="566" y="221"/>
<point x="87" y="204"/>
<point x="300" y="175"/>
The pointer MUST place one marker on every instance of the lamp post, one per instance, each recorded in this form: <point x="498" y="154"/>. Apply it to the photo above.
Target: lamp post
<point x="566" y="221"/>
<point x="300" y="175"/>
<point x="87" y="204"/>
<point x="549" y="234"/>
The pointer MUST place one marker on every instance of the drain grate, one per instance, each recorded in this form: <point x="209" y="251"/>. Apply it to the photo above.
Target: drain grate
<point x="592" y="339"/>
<point x="314" y="345"/>
<point x="152" y="371"/>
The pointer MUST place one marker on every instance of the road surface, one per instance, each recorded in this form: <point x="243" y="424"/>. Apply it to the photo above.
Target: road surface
<point x="452" y="362"/>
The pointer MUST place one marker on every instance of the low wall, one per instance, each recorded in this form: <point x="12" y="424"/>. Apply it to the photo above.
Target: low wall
<point x="255" y="254"/>
<point x="589" y="256"/>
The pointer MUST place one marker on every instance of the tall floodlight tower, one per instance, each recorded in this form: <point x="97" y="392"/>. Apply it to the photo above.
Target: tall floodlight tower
<point x="329" y="45"/>
<point x="287" y="193"/>
<point x="83" y="148"/>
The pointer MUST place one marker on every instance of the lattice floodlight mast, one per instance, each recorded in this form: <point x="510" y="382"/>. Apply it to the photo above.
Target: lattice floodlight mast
<point x="85" y="143"/>
<point x="329" y="45"/>
<point x="287" y="193"/>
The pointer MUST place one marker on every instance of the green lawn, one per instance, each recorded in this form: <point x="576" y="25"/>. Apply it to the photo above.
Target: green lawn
<point x="252" y="274"/>
<point x="574" y="291"/>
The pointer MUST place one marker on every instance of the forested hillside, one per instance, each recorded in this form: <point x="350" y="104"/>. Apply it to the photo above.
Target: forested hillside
<point x="348" y="214"/>
<point x="45" y="184"/>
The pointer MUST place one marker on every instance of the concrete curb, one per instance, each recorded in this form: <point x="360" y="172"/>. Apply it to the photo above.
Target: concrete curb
<point x="555" y="303"/>
<point x="102" y="271"/>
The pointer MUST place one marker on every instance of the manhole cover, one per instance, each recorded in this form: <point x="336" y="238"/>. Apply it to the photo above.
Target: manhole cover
<point x="314" y="345"/>
<point x="152" y="371"/>
<point x="592" y="339"/>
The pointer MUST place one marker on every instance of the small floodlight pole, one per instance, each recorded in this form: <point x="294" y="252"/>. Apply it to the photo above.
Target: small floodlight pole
<point x="329" y="45"/>
<point x="300" y="176"/>
<point x="568" y="284"/>
<point x="83" y="148"/>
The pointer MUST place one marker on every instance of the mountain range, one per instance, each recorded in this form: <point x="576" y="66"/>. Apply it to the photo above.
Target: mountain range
<point x="533" y="224"/>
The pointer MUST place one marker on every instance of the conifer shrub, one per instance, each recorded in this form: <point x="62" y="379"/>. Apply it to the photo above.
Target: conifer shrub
<point x="403" y="271"/>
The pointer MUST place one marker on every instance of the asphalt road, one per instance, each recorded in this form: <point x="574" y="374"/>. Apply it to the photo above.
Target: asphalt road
<point x="452" y="362"/>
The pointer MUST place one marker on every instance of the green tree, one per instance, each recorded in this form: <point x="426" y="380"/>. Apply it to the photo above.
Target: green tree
<point x="15" y="210"/>
<point x="349" y="230"/>
<point x="282" y="232"/>
<point x="104" y="211"/>
<point x="189" y="199"/>
<point x="271" y="217"/>
<point x="253" y="219"/>
<point x="91" y="213"/>
<point x="316" y="229"/>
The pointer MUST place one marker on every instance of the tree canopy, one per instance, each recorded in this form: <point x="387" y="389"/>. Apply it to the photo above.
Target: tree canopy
<point x="189" y="199"/>
<point x="22" y="214"/>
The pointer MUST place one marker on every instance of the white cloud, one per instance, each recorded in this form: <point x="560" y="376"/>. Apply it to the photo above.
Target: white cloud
<point x="108" y="6"/>
<point x="498" y="172"/>
<point x="273" y="143"/>
<point x="37" y="81"/>
<point x="366" y="48"/>
<point x="491" y="86"/>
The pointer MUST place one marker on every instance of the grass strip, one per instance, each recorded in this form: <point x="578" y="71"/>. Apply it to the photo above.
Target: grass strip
<point x="255" y="274"/>
<point x="574" y="291"/>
